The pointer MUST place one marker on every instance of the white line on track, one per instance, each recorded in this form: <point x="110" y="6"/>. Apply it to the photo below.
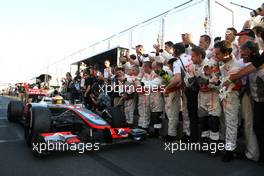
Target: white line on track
<point x="3" y="126"/>
<point x="8" y="141"/>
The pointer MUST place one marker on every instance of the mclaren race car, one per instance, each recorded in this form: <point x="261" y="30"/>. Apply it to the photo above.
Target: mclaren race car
<point x="53" y="120"/>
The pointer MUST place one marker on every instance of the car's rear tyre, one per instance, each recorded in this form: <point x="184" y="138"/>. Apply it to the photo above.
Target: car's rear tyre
<point x="39" y="121"/>
<point x="118" y="118"/>
<point x="14" y="111"/>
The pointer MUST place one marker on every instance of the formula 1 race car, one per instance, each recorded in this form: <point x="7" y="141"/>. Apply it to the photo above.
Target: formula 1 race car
<point x="53" y="120"/>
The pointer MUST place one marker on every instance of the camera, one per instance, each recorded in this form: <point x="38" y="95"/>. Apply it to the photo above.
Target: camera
<point x="256" y="12"/>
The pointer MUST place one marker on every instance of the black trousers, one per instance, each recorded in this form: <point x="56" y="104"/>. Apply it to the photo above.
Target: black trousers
<point x="155" y="118"/>
<point x="258" y="124"/>
<point x="210" y="123"/>
<point x="192" y="107"/>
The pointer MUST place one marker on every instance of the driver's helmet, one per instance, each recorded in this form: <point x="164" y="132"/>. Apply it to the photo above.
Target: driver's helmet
<point x="58" y="100"/>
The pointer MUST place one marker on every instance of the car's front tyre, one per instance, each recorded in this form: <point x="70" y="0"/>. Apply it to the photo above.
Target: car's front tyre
<point x="15" y="111"/>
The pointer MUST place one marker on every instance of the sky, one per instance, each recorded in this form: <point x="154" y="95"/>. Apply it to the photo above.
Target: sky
<point x="36" y="33"/>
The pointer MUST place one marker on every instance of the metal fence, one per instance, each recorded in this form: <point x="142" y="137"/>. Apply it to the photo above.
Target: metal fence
<point x="194" y="16"/>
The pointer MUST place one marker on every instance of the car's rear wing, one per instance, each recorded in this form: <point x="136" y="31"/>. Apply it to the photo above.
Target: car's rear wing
<point x="43" y="92"/>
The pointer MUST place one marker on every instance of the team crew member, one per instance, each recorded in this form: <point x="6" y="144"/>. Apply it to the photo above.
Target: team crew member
<point x="187" y="42"/>
<point x="172" y="98"/>
<point x="208" y="101"/>
<point x="139" y="54"/>
<point x="230" y="36"/>
<point x="231" y="103"/>
<point x="204" y="42"/>
<point x="189" y="96"/>
<point x="166" y="54"/>
<point x="173" y="92"/>
<point x="129" y="95"/>
<point x="148" y="103"/>
<point x="157" y="100"/>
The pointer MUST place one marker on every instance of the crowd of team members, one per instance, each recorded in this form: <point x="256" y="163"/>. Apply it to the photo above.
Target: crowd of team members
<point x="210" y="91"/>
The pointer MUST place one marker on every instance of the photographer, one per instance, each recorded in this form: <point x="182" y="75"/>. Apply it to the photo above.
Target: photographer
<point x="99" y="99"/>
<point x="88" y="82"/>
<point x="117" y="83"/>
<point x="68" y="84"/>
<point x="256" y="18"/>
<point x="259" y="11"/>
<point x="76" y="87"/>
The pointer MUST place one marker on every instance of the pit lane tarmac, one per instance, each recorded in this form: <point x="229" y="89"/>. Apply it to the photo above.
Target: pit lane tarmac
<point x="147" y="158"/>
